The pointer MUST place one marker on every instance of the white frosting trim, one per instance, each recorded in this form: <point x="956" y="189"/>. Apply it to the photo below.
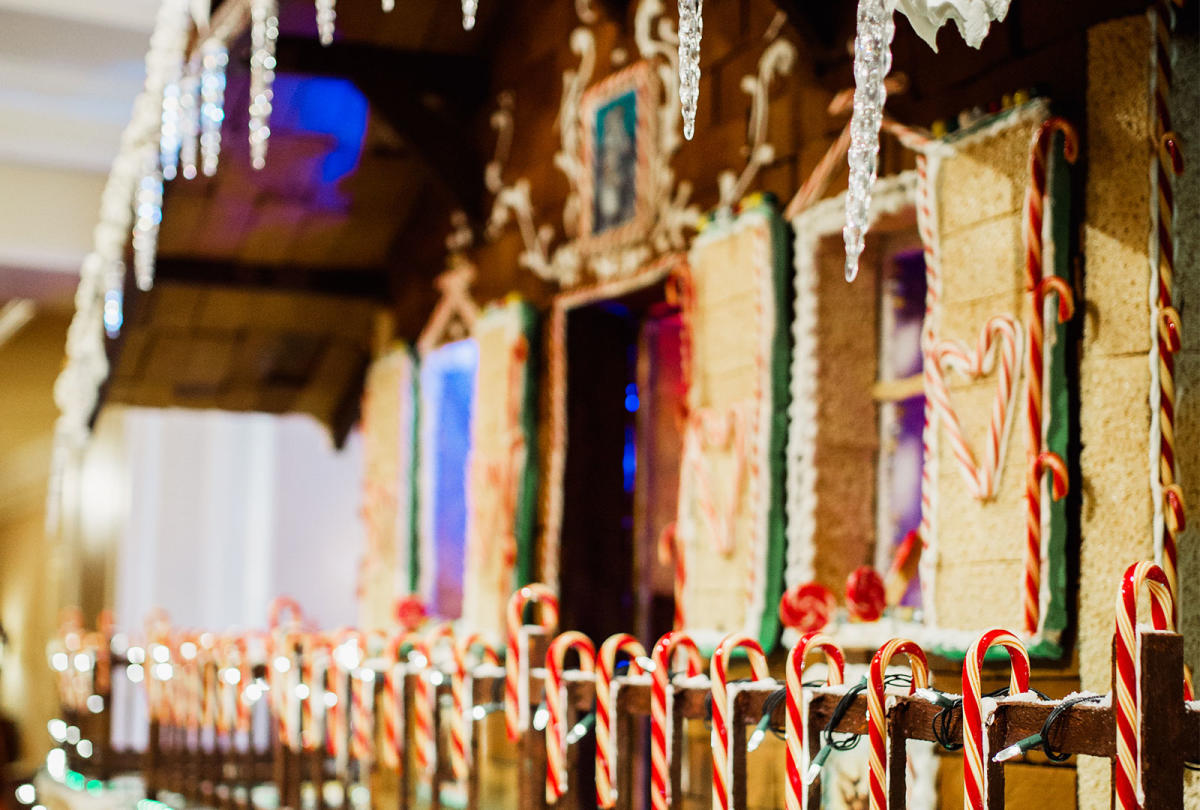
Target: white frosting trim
<point x="973" y="17"/>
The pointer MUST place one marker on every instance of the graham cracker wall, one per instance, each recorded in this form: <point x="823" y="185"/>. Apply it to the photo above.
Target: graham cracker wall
<point x="980" y="193"/>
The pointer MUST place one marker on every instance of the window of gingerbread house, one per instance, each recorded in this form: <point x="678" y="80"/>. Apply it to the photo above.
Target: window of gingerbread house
<point x="929" y="438"/>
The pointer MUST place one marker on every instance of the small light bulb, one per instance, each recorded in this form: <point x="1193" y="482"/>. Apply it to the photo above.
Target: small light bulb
<point x="163" y="672"/>
<point x="540" y="718"/>
<point x="478" y="712"/>
<point x="436" y="679"/>
<point x="161" y="654"/>
<point x="302" y="691"/>
<point x="134" y="673"/>
<point x="95" y="704"/>
<point x="84" y="748"/>
<point x="232" y="676"/>
<point x="188" y="650"/>
<point x="60" y="662"/>
<point x="136" y="655"/>
<point x="73" y="734"/>
<point x="282" y="664"/>
<point x="83" y="662"/>
<point x="26" y="793"/>
<point x="331" y="699"/>
<point x="57" y="729"/>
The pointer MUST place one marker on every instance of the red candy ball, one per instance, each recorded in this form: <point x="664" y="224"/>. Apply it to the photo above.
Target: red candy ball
<point x="410" y="612"/>
<point x="865" y="596"/>
<point x="807" y="607"/>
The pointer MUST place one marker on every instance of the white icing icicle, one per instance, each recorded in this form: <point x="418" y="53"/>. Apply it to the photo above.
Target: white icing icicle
<point x="189" y="121"/>
<point x="326" y="14"/>
<point x="872" y="61"/>
<point x="469" y="8"/>
<point x="264" y="31"/>
<point x="691" y="28"/>
<point x="147" y="218"/>
<point x="973" y="17"/>
<point x="214" y="59"/>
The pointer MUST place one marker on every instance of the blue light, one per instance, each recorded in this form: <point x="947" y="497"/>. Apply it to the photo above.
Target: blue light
<point x="629" y="459"/>
<point x="114" y="314"/>
<point x="631" y="398"/>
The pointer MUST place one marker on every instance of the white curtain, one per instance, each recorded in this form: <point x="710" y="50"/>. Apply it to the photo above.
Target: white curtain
<point x="227" y="511"/>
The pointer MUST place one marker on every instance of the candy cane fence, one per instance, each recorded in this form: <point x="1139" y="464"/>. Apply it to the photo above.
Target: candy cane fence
<point x="1148" y="708"/>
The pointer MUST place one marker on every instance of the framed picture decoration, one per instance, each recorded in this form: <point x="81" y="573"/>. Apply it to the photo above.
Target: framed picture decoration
<point x="619" y="128"/>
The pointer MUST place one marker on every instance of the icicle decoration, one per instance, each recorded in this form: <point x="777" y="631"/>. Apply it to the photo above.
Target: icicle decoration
<point x="114" y="298"/>
<point x="189" y="122"/>
<point x="169" y="57"/>
<point x="326" y="14"/>
<point x="264" y="31"/>
<point x="872" y="61"/>
<point x="147" y="218"/>
<point x="691" y="28"/>
<point x="171" y="135"/>
<point x="469" y="8"/>
<point x="215" y="58"/>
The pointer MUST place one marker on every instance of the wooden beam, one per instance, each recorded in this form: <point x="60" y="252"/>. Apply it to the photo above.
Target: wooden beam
<point x="350" y="282"/>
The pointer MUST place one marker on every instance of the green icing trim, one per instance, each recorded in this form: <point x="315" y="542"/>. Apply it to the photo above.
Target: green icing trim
<point x="414" y="562"/>
<point x="527" y="497"/>
<point x="780" y="364"/>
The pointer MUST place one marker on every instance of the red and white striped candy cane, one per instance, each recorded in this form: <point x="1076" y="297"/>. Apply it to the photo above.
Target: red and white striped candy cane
<point x="1039" y="287"/>
<point x="876" y="713"/>
<point x="281" y="606"/>
<point x="722" y="736"/>
<point x="420" y="657"/>
<point x="362" y="725"/>
<point x="460" y="731"/>
<point x="1168" y="164"/>
<point x="980" y="477"/>
<point x="606" y="759"/>
<point x="1127" y="705"/>
<point x="516" y="665"/>
<point x="241" y="695"/>
<point x="556" y="743"/>
<point x="796" y="742"/>
<point x="670" y="553"/>
<point x="662" y="693"/>
<point x="1039" y="465"/>
<point x="975" y="785"/>
<point x="392" y="702"/>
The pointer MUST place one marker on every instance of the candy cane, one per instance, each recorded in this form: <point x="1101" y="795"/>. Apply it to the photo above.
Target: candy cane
<point x="424" y="700"/>
<point x="460" y="730"/>
<point x="876" y="717"/>
<point x="1038" y="288"/>
<point x="362" y="705"/>
<point x="974" y="771"/>
<point x="670" y="552"/>
<point x="278" y="607"/>
<point x="241" y="697"/>
<point x="662" y="695"/>
<point x="981" y="478"/>
<point x="927" y="226"/>
<point x="392" y="702"/>
<point x="1039" y="464"/>
<point x="1168" y="164"/>
<point x="606" y="760"/>
<point x="722" y="732"/>
<point x="796" y="743"/>
<point x="1128" y="701"/>
<point x="516" y="664"/>
<point x="556" y="745"/>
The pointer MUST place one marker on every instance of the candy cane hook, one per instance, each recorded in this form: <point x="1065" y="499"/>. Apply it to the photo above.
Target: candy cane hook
<point x="556" y="745"/>
<point x="424" y="701"/>
<point x="516" y="664"/>
<point x="876" y="715"/>
<point x="836" y="663"/>
<point x="606" y="759"/>
<point x="1127" y="700"/>
<point x="722" y="736"/>
<point x="460" y="693"/>
<point x="662" y="694"/>
<point x="974" y="770"/>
